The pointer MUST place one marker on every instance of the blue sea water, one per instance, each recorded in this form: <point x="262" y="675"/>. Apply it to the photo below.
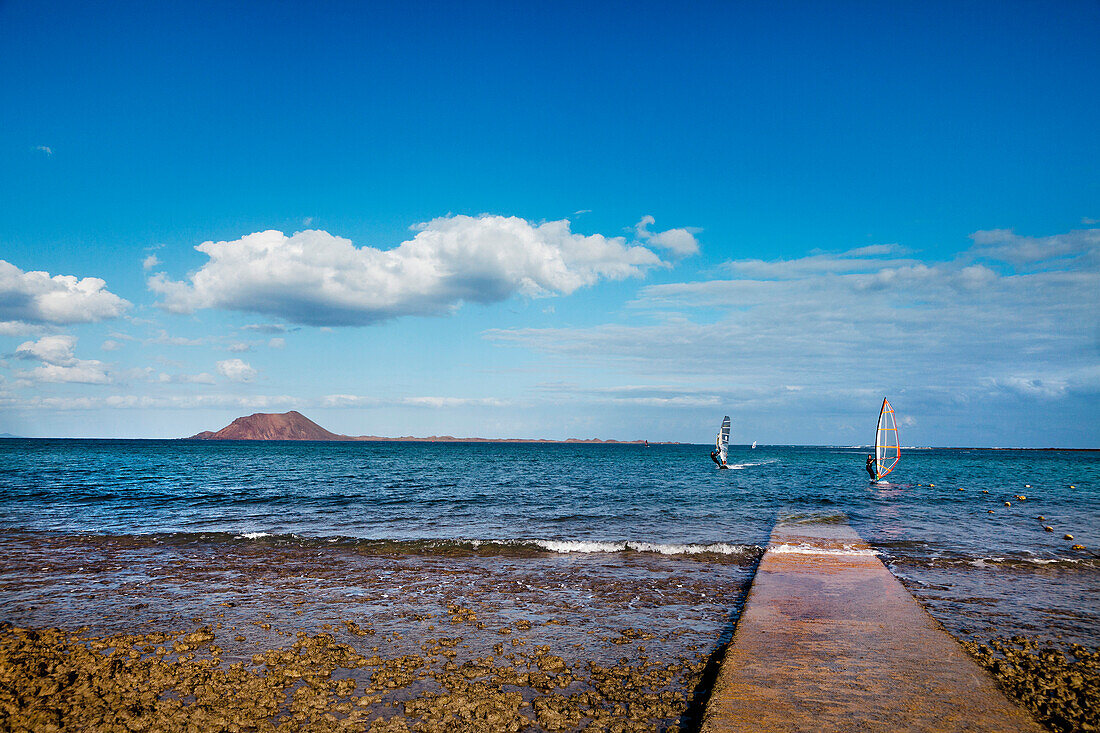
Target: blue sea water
<point x="949" y="522"/>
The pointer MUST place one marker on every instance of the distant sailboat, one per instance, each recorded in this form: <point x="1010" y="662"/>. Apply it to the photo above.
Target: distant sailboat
<point x="887" y="447"/>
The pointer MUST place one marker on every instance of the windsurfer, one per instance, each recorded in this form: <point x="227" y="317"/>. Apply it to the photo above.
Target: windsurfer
<point x="717" y="461"/>
<point x="871" y="467"/>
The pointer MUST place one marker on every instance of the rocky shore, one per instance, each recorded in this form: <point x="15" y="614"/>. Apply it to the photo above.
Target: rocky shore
<point x="52" y="680"/>
<point x="1059" y="684"/>
<point x="241" y="635"/>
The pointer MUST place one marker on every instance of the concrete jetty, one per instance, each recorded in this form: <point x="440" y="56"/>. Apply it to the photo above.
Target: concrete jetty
<point x="829" y="640"/>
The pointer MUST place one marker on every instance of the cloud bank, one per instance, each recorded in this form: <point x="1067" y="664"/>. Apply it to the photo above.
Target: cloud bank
<point x="1012" y="317"/>
<point x="316" y="278"/>
<point x="36" y="298"/>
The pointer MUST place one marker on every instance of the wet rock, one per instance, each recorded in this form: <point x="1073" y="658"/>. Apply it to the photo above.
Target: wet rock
<point x="1061" y="686"/>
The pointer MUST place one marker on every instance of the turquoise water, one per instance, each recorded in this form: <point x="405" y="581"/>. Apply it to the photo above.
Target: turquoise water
<point x="950" y="547"/>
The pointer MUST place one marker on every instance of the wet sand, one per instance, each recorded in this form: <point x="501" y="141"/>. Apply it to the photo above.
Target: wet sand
<point x="139" y="634"/>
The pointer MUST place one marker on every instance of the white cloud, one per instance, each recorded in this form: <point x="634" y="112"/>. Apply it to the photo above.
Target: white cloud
<point x="83" y="372"/>
<point x="680" y="242"/>
<point x="944" y="331"/>
<point x="18" y="328"/>
<point x="44" y="149"/>
<point x="150" y="262"/>
<point x="56" y="349"/>
<point x="268" y="328"/>
<point x="253" y="402"/>
<point x="350" y="400"/>
<point x="1007" y="246"/>
<point x="110" y="345"/>
<point x="202" y="378"/>
<point x="277" y="343"/>
<point x="238" y="347"/>
<point x="37" y="298"/>
<point x="59" y="363"/>
<point x="164" y="338"/>
<point x="319" y="279"/>
<point x="236" y="370"/>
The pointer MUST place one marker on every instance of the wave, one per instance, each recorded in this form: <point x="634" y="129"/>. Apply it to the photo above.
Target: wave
<point x="845" y="550"/>
<point x="748" y="464"/>
<point x="717" y="548"/>
<point x="516" y="547"/>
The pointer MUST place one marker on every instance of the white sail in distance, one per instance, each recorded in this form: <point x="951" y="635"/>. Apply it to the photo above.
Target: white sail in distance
<point x="887" y="447"/>
<point x="722" y="441"/>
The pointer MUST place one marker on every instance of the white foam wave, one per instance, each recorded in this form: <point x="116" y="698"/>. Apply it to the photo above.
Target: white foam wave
<point x="566" y="546"/>
<point x="253" y="535"/>
<point x="747" y="464"/>
<point x="846" y="550"/>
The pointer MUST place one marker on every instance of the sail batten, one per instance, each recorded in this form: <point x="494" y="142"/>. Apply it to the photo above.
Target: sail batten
<point x="887" y="446"/>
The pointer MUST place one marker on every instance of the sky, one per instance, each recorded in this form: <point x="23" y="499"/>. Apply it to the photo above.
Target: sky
<point x="553" y="220"/>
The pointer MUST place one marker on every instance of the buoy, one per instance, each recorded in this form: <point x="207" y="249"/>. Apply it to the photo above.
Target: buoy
<point x="961" y="489"/>
<point x="1067" y="536"/>
<point x="1021" y="497"/>
<point x="990" y="511"/>
<point x="1040" y="517"/>
<point x="1049" y="528"/>
<point x="932" y="485"/>
<point x="1072" y="486"/>
<point x="1008" y="503"/>
<point x="1027" y="486"/>
<point x="1078" y="547"/>
<point x="985" y="491"/>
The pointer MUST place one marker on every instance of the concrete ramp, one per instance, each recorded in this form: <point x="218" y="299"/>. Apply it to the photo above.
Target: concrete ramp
<point x="829" y="640"/>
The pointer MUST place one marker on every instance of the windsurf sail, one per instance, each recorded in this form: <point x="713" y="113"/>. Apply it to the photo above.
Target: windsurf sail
<point x="754" y="444"/>
<point x="722" y="441"/>
<point x="887" y="447"/>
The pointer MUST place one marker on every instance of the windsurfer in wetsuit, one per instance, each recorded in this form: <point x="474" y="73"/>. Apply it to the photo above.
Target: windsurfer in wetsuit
<point x="714" y="457"/>
<point x="871" y="468"/>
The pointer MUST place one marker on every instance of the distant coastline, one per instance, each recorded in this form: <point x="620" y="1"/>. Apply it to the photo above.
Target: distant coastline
<point x="294" y="425"/>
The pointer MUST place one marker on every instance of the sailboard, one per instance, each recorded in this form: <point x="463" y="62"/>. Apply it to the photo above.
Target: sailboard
<point x="754" y="445"/>
<point x="722" y="441"/>
<point x="887" y="447"/>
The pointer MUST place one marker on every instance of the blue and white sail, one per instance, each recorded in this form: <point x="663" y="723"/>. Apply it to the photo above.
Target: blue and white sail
<point x="722" y="441"/>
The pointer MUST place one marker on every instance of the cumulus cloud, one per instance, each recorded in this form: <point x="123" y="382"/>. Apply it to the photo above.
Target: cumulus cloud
<point x="150" y="262"/>
<point x="37" y="298"/>
<point x="679" y="242"/>
<point x="59" y="362"/>
<point x="236" y="370"/>
<point x="50" y="349"/>
<point x="315" y="278"/>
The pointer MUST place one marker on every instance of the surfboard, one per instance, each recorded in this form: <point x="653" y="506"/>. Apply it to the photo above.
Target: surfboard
<point x="887" y="447"/>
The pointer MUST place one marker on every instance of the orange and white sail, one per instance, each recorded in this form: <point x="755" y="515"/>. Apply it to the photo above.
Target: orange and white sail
<point x="887" y="447"/>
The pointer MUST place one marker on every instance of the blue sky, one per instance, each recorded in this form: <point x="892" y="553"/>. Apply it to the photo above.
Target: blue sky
<point x="615" y="220"/>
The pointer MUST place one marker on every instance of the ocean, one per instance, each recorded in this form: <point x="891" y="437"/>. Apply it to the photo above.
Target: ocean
<point x="603" y="556"/>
